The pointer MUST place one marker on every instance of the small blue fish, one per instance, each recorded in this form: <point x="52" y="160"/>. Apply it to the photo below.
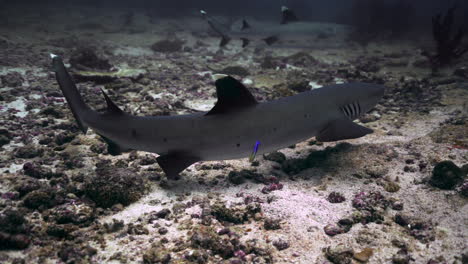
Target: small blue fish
<point x="254" y="152"/>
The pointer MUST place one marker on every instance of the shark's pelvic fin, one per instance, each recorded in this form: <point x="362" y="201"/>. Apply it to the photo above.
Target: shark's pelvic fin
<point x="288" y="15"/>
<point x="174" y="163"/>
<point x="111" y="106"/>
<point x="342" y="129"/>
<point x="245" y="42"/>
<point x="271" y="40"/>
<point x="232" y="95"/>
<point x="245" y="25"/>
<point x="224" y="41"/>
<point x="113" y="148"/>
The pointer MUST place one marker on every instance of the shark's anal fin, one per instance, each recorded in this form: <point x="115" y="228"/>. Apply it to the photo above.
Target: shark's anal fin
<point x="174" y="163"/>
<point x="113" y="148"/>
<point x="232" y="95"/>
<point x="342" y="129"/>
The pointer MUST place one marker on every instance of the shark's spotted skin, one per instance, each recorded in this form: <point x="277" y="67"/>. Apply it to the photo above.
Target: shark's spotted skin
<point x="229" y="128"/>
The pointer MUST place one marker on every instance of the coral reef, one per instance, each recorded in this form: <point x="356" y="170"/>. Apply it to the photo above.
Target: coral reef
<point x="449" y="41"/>
<point x="168" y="46"/>
<point x="86" y="59"/>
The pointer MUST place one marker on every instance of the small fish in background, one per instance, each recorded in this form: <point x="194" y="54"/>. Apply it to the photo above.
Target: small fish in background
<point x="227" y="130"/>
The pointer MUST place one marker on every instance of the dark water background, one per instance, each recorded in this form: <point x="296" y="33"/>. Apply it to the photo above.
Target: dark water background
<point x="403" y="18"/>
<point x="315" y="10"/>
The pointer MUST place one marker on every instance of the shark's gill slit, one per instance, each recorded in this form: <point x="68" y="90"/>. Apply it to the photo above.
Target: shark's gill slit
<point x="346" y="111"/>
<point x="354" y="109"/>
<point x="359" y="108"/>
<point x="351" y="108"/>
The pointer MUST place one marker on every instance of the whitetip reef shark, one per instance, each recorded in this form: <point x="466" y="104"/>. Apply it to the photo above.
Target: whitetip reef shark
<point x="290" y="28"/>
<point x="236" y="125"/>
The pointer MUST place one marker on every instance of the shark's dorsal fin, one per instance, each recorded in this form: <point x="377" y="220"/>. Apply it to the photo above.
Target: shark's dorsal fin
<point x="245" y="25"/>
<point x="232" y="95"/>
<point x="342" y="129"/>
<point x="288" y="15"/>
<point x="111" y="106"/>
<point x="174" y="163"/>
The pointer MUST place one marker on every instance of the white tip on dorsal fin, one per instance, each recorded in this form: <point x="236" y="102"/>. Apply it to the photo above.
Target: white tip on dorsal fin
<point x="52" y="56"/>
<point x="203" y="12"/>
<point x="218" y="76"/>
<point x="284" y="8"/>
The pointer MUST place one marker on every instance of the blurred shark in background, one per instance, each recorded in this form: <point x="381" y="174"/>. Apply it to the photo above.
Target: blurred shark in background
<point x="289" y="28"/>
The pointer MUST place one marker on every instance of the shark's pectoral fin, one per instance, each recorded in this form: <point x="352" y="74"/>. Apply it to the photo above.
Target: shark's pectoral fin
<point x="232" y="95"/>
<point x="175" y="162"/>
<point x="114" y="148"/>
<point x="342" y="129"/>
<point x="224" y="41"/>
<point x="245" y="42"/>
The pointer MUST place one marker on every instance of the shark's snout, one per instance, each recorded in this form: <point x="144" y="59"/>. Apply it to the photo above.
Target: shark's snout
<point x="378" y="90"/>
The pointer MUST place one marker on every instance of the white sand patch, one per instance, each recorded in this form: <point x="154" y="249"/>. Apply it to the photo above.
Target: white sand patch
<point x="19" y="105"/>
<point x="34" y="71"/>
<point x="133" y="51"/>
<point x="13" y="168"/>
<point x="247" y="81"/>
<point x="339" y="80"/>
<point x="314" y="85"/>
<point x="200" y="104"/>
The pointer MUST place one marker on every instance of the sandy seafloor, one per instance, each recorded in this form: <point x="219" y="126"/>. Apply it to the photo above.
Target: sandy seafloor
<point x="63" y="213"/>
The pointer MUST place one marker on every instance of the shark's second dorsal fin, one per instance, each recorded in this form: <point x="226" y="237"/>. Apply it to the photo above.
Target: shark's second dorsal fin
<point x="342" y="129"/>
<point x="111" y="106"/>
<point x="288" y="15"/>
<point x="232" y="95"/>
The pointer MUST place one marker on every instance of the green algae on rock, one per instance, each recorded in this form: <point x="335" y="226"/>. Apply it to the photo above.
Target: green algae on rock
<point x="104" y="77"/>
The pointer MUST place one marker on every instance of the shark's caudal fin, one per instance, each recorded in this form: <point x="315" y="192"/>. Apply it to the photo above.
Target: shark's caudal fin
<point x="288" y="15"/>
<point x="78" y="106"/>
<point x="69" y="90"/>
<point x="342" y="129"/>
